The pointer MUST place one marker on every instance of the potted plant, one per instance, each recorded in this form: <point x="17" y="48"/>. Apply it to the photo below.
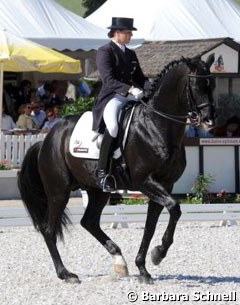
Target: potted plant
<point x="200" y="189"/>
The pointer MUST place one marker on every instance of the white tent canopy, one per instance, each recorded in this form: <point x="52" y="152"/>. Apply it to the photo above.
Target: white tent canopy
<point x="49" y="24"/>
<point x="159" y="20"/>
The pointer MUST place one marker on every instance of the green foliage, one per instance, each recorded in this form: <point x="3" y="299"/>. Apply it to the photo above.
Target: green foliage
<point x="74" y="6"/>
<point x="222" y="197"/>
<point x="91" y="6"/>
<point x="200" y="193"/>
<point x="86" y="7"/>
<point x="133" y="201"/>
<point x="78" y="106"/>
<point x="5" y="165"/>
<point x="81" y="7"/>
<point x="201" y="187"/>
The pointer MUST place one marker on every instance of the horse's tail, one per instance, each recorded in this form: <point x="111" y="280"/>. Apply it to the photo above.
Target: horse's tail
<point x="31" y="187"/>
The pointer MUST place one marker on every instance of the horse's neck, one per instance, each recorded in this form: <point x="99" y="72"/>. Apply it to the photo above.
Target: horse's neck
<point x="170" y="96"/>
<point x="170" y="99"/>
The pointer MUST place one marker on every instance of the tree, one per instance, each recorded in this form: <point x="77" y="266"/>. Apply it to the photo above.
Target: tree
<point x="91" y="6"/>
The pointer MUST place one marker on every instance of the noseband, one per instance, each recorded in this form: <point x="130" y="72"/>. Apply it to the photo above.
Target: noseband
<point x="194" y="114"/>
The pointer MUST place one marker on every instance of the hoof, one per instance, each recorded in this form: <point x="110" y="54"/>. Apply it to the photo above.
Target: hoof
<point x="120" y="265"/>
<point x="156" y="256"/>
<point x="121" y="270"/>
<point x="69" y="277"/>
<point x="145" y="280"/>
<point x="73" y="280"/>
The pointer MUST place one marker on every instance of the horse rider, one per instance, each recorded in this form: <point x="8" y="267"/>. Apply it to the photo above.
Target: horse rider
<point x="122" y="80"/>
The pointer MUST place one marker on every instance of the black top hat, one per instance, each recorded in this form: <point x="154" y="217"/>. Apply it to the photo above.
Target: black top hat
<point x="120" y="23"/>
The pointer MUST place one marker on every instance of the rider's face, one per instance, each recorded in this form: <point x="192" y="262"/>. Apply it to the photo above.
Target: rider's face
<point x="123" y="37"/>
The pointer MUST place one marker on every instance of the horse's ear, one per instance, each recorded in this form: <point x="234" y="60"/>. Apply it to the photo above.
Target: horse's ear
<point x="210" y="59"/>
<point x="191" y="63"/>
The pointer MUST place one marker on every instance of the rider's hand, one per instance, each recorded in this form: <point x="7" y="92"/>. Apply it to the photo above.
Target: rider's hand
<point x="137" y="93"/>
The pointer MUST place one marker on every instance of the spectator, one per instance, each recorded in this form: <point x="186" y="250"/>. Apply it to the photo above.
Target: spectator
<point x="57" y="111"/>
<point x="24" y="93"/>
<point x="25" y="121"/>
<point x="71" y="91"/>
<point x="21" y="109"/>
<point x="52" y="119"/>
<point x="61" y="90"/>
<point x="197" y="131"/>
<point x="48" y="94"/>
<point x="42" y="90"/>
<point x="83" y="89"/>
<point x="7" y="122"/>
<point x="37" y="114"/>
<point x="10" y="94"/>
<point x="230" y="129"/>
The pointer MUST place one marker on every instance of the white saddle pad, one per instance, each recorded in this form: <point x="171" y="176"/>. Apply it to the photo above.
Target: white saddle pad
<point x="83" y="143"/>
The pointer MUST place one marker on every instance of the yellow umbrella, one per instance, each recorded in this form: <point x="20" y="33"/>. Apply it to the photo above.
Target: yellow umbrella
<point x="22" y="55"/>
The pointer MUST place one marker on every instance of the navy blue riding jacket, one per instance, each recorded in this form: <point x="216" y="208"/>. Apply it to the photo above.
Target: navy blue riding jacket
<point x="118" y="72"/>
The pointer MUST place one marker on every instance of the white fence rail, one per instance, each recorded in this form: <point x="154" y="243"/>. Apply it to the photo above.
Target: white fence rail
<point x="13" y="148"/>
<point x="227" y="214"/>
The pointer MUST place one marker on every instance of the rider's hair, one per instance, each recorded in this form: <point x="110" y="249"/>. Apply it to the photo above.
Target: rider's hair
<point x="111" y="33"/>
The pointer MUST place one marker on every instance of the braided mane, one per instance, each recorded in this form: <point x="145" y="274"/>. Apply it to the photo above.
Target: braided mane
<point x="157" y="82"/>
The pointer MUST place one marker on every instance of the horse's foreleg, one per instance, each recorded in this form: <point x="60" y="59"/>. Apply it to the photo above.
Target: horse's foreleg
<point x="91" y="222"/>
<point x="159" y="252"/>
<point x="154" y="210"/>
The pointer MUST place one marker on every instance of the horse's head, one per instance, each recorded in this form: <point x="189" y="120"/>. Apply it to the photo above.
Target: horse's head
<point x="201" y="84"/>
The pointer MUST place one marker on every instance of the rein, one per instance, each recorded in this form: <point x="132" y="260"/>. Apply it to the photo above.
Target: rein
<point x="194" y="115"/>
<point x="166" y="115"/>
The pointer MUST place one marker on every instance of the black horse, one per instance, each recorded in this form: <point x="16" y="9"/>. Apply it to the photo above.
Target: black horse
<point x="154" y="156"/>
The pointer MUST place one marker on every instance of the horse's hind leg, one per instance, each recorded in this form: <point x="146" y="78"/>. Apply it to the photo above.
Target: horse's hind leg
<point x="159" y="252"/>
<point x="91" y="222"/>
<point x="154" y="210"/>
<point x="52" y="228"/>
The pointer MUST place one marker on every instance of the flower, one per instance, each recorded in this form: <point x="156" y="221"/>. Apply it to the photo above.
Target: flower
<point x="5" y="164"/>
<point x="222" y="193"/>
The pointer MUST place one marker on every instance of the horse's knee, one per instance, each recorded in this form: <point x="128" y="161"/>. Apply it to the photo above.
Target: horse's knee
<point x="175" y="212"/>
<point x="89" y="225"/>
<point x="84" y="223"/>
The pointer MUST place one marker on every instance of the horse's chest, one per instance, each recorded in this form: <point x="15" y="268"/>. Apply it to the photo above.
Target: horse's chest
<point x="175" y="164"/>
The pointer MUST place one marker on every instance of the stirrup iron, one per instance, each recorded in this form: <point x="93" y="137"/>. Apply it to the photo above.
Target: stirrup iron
<point x="106" y="189"/>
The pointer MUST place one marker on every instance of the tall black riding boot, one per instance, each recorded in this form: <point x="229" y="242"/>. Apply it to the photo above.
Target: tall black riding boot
<point x="105" y="180"/>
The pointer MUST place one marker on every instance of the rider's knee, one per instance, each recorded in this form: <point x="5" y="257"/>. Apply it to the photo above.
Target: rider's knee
<point x="113" y="131"/>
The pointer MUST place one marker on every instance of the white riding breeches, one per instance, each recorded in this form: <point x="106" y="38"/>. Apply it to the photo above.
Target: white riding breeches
<point x="112" y="111"/>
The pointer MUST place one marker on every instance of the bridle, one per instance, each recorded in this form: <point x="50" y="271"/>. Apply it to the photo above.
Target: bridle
<point x="194" y="115"/>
